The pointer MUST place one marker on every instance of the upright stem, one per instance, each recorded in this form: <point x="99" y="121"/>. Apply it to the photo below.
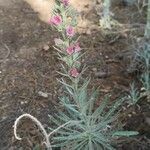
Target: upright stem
<point x="147" y="29"/>
<point x="105" y="21"/>
<point x="106" y="10"/>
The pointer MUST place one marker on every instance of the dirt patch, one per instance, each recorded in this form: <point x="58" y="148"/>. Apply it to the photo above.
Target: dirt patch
<point x="22" y="37"/>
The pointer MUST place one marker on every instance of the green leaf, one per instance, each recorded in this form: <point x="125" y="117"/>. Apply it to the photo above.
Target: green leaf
<point x="80" y="144"/>
<point x="103" y="125"/>
<point x="92" y="99"/>
<point x="98" y="112"/>
<point x="102" y="141"/>
<point x="64" y="83"/>
<point x="90" y="144"/>
<point x="69" y="90"/>
<point x="113" y="109"/>
<point x="125" y="133"/>
<point x="70" y="137"/>
<point x="66" y="75"/>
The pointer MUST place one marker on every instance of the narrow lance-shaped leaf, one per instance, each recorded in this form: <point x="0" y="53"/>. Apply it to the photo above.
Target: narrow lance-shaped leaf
<point x="125" y="133"/>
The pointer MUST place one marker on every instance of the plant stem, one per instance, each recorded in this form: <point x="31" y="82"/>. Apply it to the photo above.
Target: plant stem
<point x="106" y="11"/>
<point x="147" y="28"/>
<point x="63" y="125"/>
<point x="105" y="21"/>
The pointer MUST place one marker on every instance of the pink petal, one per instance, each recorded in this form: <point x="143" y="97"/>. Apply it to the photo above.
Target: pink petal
<point x="65" y="2"/>
<point x="56" y="20"/>
<point x="74" y="72"/>
<point x="70" y="31"/>
<point x="70" y="50"/>
<point x="77" y="47"/>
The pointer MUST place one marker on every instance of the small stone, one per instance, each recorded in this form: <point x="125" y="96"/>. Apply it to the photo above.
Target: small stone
<point x="45" y="95"/>
<point x="26" y="102"/>
<point x="94" y="69"/>
<point x="101" y="74"/>
<point x="106" y="57"/>
<point x="46" y="47"/>
<point x="22" y="102"/>
<point x="88" y="32"/>
<point x="129" y="115"/>
<point x="134" y="113"/>
<point x="124" y="108"/>
<point x="142" y="89"/>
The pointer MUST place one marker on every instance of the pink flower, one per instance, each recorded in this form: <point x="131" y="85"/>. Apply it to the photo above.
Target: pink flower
<point x="74" y="72"/>
<point x="77" y="47"/>
<point x="56" y="20"/>
<point x="73" y="49"/>
<point x="70" y="31"/>
<point x="65" y="2"/>
<point x="70" y="50"/>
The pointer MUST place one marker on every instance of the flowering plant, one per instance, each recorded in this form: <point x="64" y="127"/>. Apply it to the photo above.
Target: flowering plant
<point x="92" y="128"/>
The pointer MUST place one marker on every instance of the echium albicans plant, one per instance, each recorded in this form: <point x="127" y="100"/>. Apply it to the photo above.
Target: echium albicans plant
<point x="90" y="128"/>
<point x="80" y="126"/>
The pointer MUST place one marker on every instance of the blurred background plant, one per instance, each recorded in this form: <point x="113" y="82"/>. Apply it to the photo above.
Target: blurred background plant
<point x="106" y="20"/>
<point x="142" y="67"/>
<point x="147" y="29"/>
<point x="145" y="79"/>
<point x="134" y="94"/>
<point x="141" y="60"/>
<point x="143" y="55"/>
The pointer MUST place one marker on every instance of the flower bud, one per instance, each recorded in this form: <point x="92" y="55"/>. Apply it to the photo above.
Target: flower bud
<point x="74" y="72"/>
<point x="65" y="2"/>
<point x="56" y="20"/>
<point x="70" y="31"/>
<point x="70" y="50"/>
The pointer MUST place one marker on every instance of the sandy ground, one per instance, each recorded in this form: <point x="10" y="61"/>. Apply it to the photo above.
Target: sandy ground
<point x="21" y="34"/>
<point x="44" y="7"/>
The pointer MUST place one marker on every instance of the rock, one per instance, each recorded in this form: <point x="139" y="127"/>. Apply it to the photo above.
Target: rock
<point x="46" y="47"/>
<point x="42" y="94"/>
<point x="94" y="69"/>
<point x="101" y="74"/>
<point x="106" y="57"/>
